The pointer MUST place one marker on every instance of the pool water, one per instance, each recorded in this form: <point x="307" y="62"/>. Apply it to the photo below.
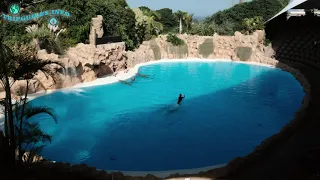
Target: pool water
<point x="229" y="109"/>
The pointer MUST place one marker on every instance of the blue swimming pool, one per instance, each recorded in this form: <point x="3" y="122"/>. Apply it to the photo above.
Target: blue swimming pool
<point x="229" y="109"/>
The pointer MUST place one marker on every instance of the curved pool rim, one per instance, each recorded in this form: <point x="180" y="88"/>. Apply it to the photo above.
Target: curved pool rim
<point x="108" y="79"/>
<point x="132" y="72"/>
<point x="164" y="174"/>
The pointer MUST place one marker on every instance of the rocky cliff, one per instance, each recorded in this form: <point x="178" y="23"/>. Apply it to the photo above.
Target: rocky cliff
<point x="86" y="62"/>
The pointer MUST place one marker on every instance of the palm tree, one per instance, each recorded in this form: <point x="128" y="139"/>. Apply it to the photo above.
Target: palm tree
<point x="6" y="68"/>
<point x="154" y="26"/>
<point x="27" y="69"/>
<point x="12" y="68"/>
<point x="29" y="136"/>
<point x="45" y="36"/>
<point x="181" y="16"/>
<point x="188" y="20"/>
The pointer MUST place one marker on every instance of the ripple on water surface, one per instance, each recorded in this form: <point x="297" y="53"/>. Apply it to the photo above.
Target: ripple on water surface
<point x="229" y="109"/>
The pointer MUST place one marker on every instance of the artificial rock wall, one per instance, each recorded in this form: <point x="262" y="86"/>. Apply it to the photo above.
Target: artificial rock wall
<point x="86" y="62"/>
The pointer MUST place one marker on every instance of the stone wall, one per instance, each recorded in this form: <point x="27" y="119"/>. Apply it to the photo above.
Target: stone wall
<point x="96" y="30"/>
<point x="85" y="62"/>
<point x="207" y="47"/>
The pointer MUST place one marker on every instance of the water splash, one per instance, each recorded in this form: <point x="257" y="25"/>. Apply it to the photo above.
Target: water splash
<point x="77" y="92"/>
<point x="71" y="71"/>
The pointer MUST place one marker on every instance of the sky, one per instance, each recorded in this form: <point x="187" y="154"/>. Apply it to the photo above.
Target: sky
<point x="200" y="8"/>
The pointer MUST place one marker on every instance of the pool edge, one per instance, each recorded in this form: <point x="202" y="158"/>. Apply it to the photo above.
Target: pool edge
<point x="165" y="174"/>
<point x="272" y="64"/>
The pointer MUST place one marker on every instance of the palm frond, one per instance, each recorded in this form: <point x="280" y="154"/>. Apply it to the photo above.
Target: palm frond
<point x="32" y="111"/>
<point x="36" y="135"/>
<point x="28" y="67"/>
<point x="2" y="102"/>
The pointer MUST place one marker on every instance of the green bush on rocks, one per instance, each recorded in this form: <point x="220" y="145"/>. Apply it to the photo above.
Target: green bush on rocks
<point x="172" y="38"/>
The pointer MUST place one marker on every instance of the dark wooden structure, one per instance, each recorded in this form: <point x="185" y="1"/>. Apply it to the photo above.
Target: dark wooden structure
<point x="108" y="39"/>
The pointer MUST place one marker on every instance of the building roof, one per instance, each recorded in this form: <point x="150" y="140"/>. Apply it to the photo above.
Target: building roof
<point x="292" y="4"/>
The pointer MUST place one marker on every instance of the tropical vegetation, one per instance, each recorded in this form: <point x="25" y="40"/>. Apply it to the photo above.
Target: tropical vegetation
<point x="245" y="17"/>
<point x="176" y="41"/>
<point x="133" y="25"/>
<point x="20" y="132"/>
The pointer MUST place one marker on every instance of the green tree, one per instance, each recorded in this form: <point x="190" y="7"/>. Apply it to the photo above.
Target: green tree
<point x="148" y="12"/>
<point x="150" y="27"/>
<point x="233" y="17"/>
<point x="17" y="67"/>
<point x="27" y="69"/>
<point x="29" y="135"/>
<point x="7" y="67"/>
<point x="189" y="21"/>
<point x="168" y="19"/>
<point x="284" y="2"/>
<point x="252" y="24"/>
<point x="203" y="29"/>
<point x="118" y="19"/>
<point x="44" y="38"/>
<point x="181" y="16"/>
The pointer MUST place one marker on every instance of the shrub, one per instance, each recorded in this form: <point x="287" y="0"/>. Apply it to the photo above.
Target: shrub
<point x="226" y="28"/>
<point x="249" y="25"/>
<point x="267" y="41"/>
<point x="172" y="38"/>
<point x="202" y="29"/>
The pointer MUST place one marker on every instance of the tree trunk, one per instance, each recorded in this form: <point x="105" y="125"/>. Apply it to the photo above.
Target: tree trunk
<point x="21" y="122"/>
<point x="10" y="116"/>
<point x="6" y="128"/>
<point x="180" y="26"/>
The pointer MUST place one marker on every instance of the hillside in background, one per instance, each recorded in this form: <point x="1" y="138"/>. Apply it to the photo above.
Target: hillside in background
<point x="245" y="17"/>
<point x="233" y="17"/>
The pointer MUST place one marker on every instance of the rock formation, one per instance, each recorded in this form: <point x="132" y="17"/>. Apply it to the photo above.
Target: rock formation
<point x="96" y="30"/>
<point x="86" y="62"/>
